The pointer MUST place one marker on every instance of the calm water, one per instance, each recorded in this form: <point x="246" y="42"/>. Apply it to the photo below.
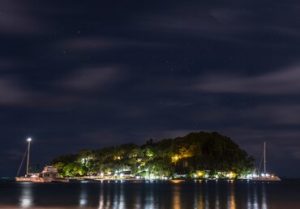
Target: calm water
<point x="283" y="195"/>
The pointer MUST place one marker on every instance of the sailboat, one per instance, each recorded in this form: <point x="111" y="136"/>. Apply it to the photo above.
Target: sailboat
<point x="265" y="176"/>
<point x="49" y="173"/>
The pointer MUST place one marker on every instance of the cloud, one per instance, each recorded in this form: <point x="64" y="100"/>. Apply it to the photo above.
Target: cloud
<point x="295" y="152"/>
<point x="285" y="81"/>
<point x="103" y="43"/>
<point x="62" y="92"/>
<point x="6" y="64"/>
<point x="239" y="24"/>
<point x="90" y="79"/>
<point x="16" y="18"/>
<point x="12" y="93"/>
<point x="17" y="24"/>
<point x="197" y="22"/>
<point x="279" y="114"/>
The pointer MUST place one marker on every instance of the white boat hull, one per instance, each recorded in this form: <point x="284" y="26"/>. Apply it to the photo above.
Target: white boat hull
<point x="267" y="178"/>
<point x="40" y="180"/>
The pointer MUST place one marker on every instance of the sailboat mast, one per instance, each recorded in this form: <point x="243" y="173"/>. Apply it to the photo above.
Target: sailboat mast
<point x="265" y="160"/>
<point x="28" y="156"/>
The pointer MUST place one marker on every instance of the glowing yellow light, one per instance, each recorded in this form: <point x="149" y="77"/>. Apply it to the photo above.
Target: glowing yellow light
<point x="231" y="175"/>
<point x="117" y="157"/>
<point x="200" y="173"/>
<point x="175" y="158"/>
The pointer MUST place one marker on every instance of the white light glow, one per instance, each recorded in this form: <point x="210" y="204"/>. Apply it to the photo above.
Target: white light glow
<point x="29" y="139"/>
<point x="26" y="199"/>
<point x="26" y="202"/>
<point x="83" y="199"/>
<point x="82" y="202"/>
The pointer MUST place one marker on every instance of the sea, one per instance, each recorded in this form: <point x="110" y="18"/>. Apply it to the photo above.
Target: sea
<point x="151" y="195"/>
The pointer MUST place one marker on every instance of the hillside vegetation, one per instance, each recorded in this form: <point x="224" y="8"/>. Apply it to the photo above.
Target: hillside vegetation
<point x="196" y="155"/>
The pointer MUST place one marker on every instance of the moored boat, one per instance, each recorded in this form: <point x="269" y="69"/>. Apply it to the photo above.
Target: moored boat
<point x="49" y="173"/>
<point x="265" y="176"/>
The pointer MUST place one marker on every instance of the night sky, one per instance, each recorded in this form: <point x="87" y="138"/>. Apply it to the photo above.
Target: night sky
<point x="89" y="74"/>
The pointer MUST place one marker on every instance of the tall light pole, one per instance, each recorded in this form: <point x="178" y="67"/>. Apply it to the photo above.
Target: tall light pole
<point x="28" y="155"/>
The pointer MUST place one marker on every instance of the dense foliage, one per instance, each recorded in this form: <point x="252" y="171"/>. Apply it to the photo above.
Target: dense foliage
<point x="194" y="155"/>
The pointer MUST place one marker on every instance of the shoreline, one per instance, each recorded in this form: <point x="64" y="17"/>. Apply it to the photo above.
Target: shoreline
<point x="134" y="180"/>
<point x="175" y="181"/>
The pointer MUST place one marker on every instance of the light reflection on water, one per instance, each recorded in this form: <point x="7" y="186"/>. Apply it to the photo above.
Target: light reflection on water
<point x="26" y="197"/>
<point x="204" y="199"/>
<point x="119" y="195"/>
<point x="176" y="197"/>
<point x="83" y="198"/>
<point x="264" y="197"/>
<point x="217" y="206"/>
<point x="231" y="197"/>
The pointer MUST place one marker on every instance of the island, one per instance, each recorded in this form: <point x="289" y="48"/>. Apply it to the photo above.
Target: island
<point x="199" y="155"/>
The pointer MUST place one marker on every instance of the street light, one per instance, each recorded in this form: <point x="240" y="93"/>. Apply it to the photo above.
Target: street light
<point x="29" y="139"/>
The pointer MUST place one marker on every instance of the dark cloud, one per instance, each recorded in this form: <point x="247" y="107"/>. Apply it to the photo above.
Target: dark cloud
<point x="248" y="25"/>
<point x="102" y="43"/>
<point x="285" y="81"/>
<point x="93" y="79"/>
<point x="12" y="92"/>
<point x="16" y="18"/>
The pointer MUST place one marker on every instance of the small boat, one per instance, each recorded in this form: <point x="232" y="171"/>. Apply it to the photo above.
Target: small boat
<point x="49" y="173"/>
<point x="265" y="176"/>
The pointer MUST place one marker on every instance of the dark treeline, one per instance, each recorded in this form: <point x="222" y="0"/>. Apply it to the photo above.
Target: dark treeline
<point x="194" y="155"/>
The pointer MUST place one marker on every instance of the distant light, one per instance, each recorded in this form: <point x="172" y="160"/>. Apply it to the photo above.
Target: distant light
<point x="83" y="201"/>
<point x="29" y="139"/>
<point x="26" y="202"/>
